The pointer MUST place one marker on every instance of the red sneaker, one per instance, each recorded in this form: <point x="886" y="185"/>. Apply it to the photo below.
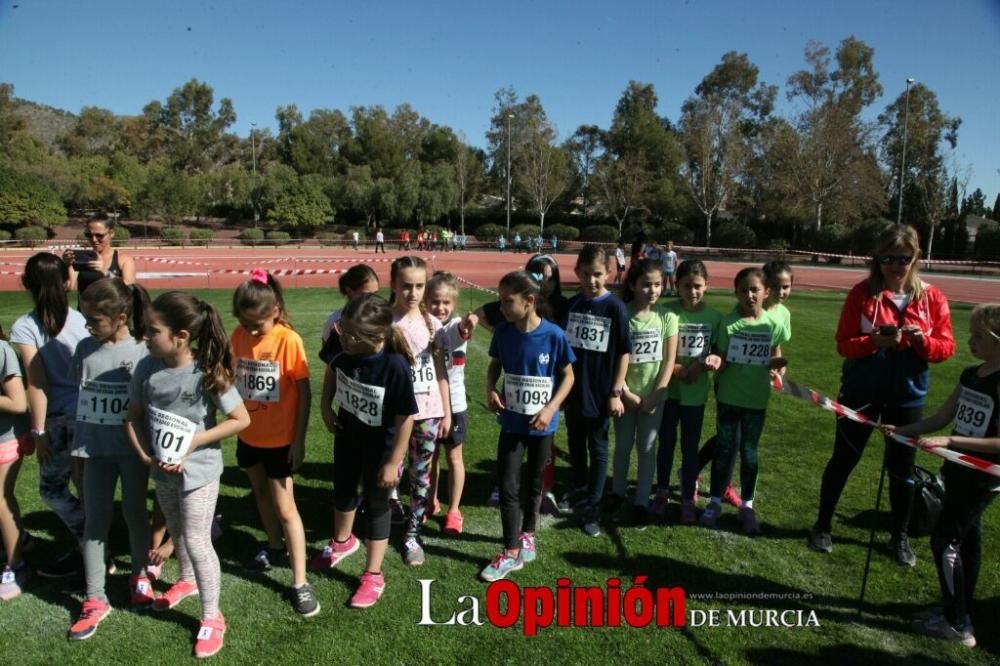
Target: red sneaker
<point x="178" y="592"/>
<point x="453" y="523"/>
<point x="210" y="635"/>
<point x="142" y="591"/>
<point x="732" y="496"/>
<point x="94" y="610"/>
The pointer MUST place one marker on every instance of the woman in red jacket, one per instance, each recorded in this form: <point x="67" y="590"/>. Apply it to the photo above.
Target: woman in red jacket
<point x="892" y="325"/>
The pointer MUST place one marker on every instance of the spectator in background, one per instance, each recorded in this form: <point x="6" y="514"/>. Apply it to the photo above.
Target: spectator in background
<point x="404" y="240"/>
<point x="379" y="240"/>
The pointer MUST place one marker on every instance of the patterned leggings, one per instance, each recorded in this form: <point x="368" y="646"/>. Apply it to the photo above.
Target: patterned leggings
<point x="189" y="519"/>
<point x="422" y="444"/>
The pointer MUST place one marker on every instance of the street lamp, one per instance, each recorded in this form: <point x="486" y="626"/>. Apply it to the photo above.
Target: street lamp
<point x="253" y="153"/>
<point x="902" y="162"/>
<point x="510" y="116"/>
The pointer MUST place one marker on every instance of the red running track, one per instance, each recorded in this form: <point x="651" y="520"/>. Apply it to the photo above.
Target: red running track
<point x="204" y="268"/>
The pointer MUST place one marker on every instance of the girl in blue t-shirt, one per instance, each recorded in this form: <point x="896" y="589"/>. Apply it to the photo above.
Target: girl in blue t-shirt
<point x="597" y="328"/>
<point x="536" y="361"/>
<point x="372" y="430"/>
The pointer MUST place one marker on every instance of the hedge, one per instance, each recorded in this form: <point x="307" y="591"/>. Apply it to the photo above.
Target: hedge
<point x="201" y="236"/>
<point x="734" y="234"/>
<point x="489" y="232"/>
<point x="174" y="235"/>
<point x="562" y="232"/>
<point x="32" y="235"/>
<point x="599" y="233"/>
<point x="5" y="235"/>
<point x="526" y="230"/>
<point x="987" y="247"/>
<point x="251" y="236"/>
<point x="329" y="238"/>
<point x="278" y="237"/>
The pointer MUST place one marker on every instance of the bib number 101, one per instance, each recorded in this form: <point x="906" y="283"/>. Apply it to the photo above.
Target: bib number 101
<point x="168" y="440"/>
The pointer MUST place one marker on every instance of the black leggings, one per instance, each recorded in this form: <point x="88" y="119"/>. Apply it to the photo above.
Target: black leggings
<point x="849" y="443"/>
<point x="957" y="541"/>
<point x="358" y="463"/>
<point x="519" y="513"/>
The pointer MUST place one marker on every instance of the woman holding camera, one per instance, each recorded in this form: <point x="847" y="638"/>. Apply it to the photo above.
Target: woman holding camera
<point x="102" y="260"/>
<point x="892" y="325"/>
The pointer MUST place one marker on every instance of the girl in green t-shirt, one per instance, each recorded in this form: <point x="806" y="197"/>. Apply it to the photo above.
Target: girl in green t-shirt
<point x="750" y="340"/>
<point x="698" y="329"/>
<point x="651" y="364"/>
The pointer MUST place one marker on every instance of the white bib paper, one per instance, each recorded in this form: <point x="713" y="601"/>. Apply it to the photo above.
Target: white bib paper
<point x="526" y="394"/>
<point x="103" y="403"/>
<point x="973" y="416"/>
<point x="694" y="340"/>
<point x="647" y="347"/>
<point x="586" y="331"/>
<point x="258" y="380"/>
<point x="171" y="435"/>
<point x="363" y="400"/>
<point x="749" y="348"/>
<point x="424" y="374"/>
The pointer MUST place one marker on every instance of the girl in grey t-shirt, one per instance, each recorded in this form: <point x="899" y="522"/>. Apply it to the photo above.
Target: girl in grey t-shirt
<point x="173" y="399"/>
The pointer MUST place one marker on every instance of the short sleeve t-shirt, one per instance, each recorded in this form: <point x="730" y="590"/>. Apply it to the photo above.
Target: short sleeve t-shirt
<point x="598" y="332"/>
<point x="424" y="374"/>
<point x="56" y="354"/>
<point x="782" y="317"/>
<point x="531" y="364"/>
<point x="371" y="392"/>
<point x="455" y="347"/>
<point x="104" y="372"/>
<point x="668" y="261"/>
<point x="268" y="368"/>
<point x="331" y="321"/>
<point x="746" y="346"/>
<point x="11" y="425"/>
<point x="179" y="392"/>
<point x="649" y="335"/>
<point x="697" y="333"/>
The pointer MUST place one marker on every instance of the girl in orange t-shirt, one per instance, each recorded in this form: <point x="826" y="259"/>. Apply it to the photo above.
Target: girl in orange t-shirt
<point x="273" y="377"/>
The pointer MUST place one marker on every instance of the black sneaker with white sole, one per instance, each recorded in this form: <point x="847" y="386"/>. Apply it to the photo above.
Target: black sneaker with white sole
<point x="265" y="559"/>
<point x="304" y="600"/>
<point x="67" y="565"/>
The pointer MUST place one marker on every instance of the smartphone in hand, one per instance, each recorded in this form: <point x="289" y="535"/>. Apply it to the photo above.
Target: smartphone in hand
<point x="82" y="259"/>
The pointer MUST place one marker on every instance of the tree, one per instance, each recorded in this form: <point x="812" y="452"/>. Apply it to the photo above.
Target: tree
<point x="299" y="202"/>
<point x="25" y="199"/>
<point x="584" y="147"/>
<point x="830" y="162"/>
<point x="716" y="126"/>
<point x="621" y="184"/>
<point x="468" y="178"/>
<point x="10" y="121"/>
<point x="95" y="133"/>
<point x="543" y="176"/>
<point x="187" y="131"/>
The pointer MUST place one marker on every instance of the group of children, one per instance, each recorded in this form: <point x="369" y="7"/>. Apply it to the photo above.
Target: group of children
<point x="133" y="387"/>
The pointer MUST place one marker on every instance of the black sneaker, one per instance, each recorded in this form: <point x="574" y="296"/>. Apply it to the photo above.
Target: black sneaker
<point x="820" y="541"/>
<point x="613" y="503"/>
<point x="265" y="558"/>
<point x="900" y="546"/>
<point x="67" y="565"/>
<point x="640" y="517"/>
<point x="304" y="600"/>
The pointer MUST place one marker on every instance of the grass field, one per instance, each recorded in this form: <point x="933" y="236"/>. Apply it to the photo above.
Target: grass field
<point x="797" y="441"/>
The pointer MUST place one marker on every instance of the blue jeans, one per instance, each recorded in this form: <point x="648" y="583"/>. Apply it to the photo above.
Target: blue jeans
<point x="54" y="476"/>
<point x="739" y="430"/>
<point x="690" y="419"/>
<point x="588" y="437"/>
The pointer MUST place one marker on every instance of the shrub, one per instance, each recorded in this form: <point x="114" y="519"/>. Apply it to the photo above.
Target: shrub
<point x="348" y="234"/>
<point x="121" y="236"/>
<point x="174" y="235"/>
<point x="328" y="238"/>
<point x="489" y="232"/>
<point x="863" y="236"/>
<point x="251" y="236"/>
<point x="526" y="230"/>
<point x="599" y="233"/>
<point x="4" y="235"/>
<point x="278" y="237"/>
<point x="779" y="245"/>
<point x="833" y="238"/>
<point x="562" y="231"/>
<point x="201" y="236"/>
<point x="32" y="236"/>
<point x="678" y="233"/>
<point x="987" y="247"/>
<point x="733" y="234"/>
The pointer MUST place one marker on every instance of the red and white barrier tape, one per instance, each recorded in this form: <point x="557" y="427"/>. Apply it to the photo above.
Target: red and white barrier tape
<point x="788" y="387"/>
<point x="281" y="271"/>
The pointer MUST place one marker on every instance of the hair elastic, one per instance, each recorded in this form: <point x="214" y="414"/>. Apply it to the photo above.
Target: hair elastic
<point x="259" y="275"/>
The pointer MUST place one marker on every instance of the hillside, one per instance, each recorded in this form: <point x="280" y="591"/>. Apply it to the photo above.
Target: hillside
<point x="45" y="123"/>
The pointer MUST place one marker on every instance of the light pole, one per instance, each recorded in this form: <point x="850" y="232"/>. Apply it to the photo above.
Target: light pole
<point x="253" y="153"/>
<point x="902" y="162"/>
<point x="510" y="117"/>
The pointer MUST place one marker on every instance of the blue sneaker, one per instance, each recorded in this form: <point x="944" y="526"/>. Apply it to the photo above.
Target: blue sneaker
<point x="501" y="565"/>
<point x="528" y="553"/>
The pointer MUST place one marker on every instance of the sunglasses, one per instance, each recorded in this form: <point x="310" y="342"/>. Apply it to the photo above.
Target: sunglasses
<point x="96" y="237"/>
<point x="899" y="259"/>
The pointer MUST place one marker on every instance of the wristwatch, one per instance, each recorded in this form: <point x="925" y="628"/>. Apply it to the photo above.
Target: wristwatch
<point x="38" y="433"/>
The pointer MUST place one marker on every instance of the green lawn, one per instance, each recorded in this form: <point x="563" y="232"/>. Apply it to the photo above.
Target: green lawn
<point x="797" y="441"/>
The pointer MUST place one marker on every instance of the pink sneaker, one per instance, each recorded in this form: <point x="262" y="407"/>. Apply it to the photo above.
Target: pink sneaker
<point x="333" y="553"/>
<point x="142" y="592"/>
<point x="94" y="610"/>
<point x="179" y="591"/>
<point x="732" y="496"/>
<point x="369" y="592"/>
<point x="453" y="522"/>
<point x="210" y="636"/>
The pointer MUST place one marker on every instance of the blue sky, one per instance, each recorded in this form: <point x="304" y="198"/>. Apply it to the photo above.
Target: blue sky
<point x="448" y="58"/>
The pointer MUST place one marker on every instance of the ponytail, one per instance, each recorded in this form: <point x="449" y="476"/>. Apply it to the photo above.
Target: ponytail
<point x="210" y="345"/>
<point x="112" y="297"/>
<point x="259" y="296"/>
<point x="45" y="277"/>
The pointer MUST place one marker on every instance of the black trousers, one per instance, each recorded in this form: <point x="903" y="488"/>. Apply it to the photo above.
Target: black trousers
<point x="358" y="463"/>
<point x="519" y="512"/>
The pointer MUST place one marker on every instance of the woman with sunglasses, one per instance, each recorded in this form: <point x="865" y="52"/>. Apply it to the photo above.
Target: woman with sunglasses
<point x="892" y="325"/>
<point x="102" y="261"/>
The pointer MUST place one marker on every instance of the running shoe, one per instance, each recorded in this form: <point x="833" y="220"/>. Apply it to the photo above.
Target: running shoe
<point x="304" y="600"/>
<point x="210" y="637"/>
<point x="94" y="610"/>
<point x="501" y="565"/>
<point x="177" y="592"/>
<point x="414" y="555"/>
<point x="369" y="591"/>
<point x="528" y="550"/>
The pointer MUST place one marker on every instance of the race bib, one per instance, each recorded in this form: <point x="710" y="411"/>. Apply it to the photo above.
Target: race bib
<point x="525" y="394"/>
<point x="647" y="347"/>
<point x="586" y="331"/>
<point x="171" y="435"/>
<point x="973" y="416"/>
<point x="424" y="374"/>
<point x="749" y="348"/>
<point x="694" y="340"/>
<point x="258" y="380"/>
<point x="362" y="400"/>
<point x="103" y="403"/>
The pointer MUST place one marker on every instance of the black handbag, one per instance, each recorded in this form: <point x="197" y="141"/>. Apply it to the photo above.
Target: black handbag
<point x="928" y="498"/>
